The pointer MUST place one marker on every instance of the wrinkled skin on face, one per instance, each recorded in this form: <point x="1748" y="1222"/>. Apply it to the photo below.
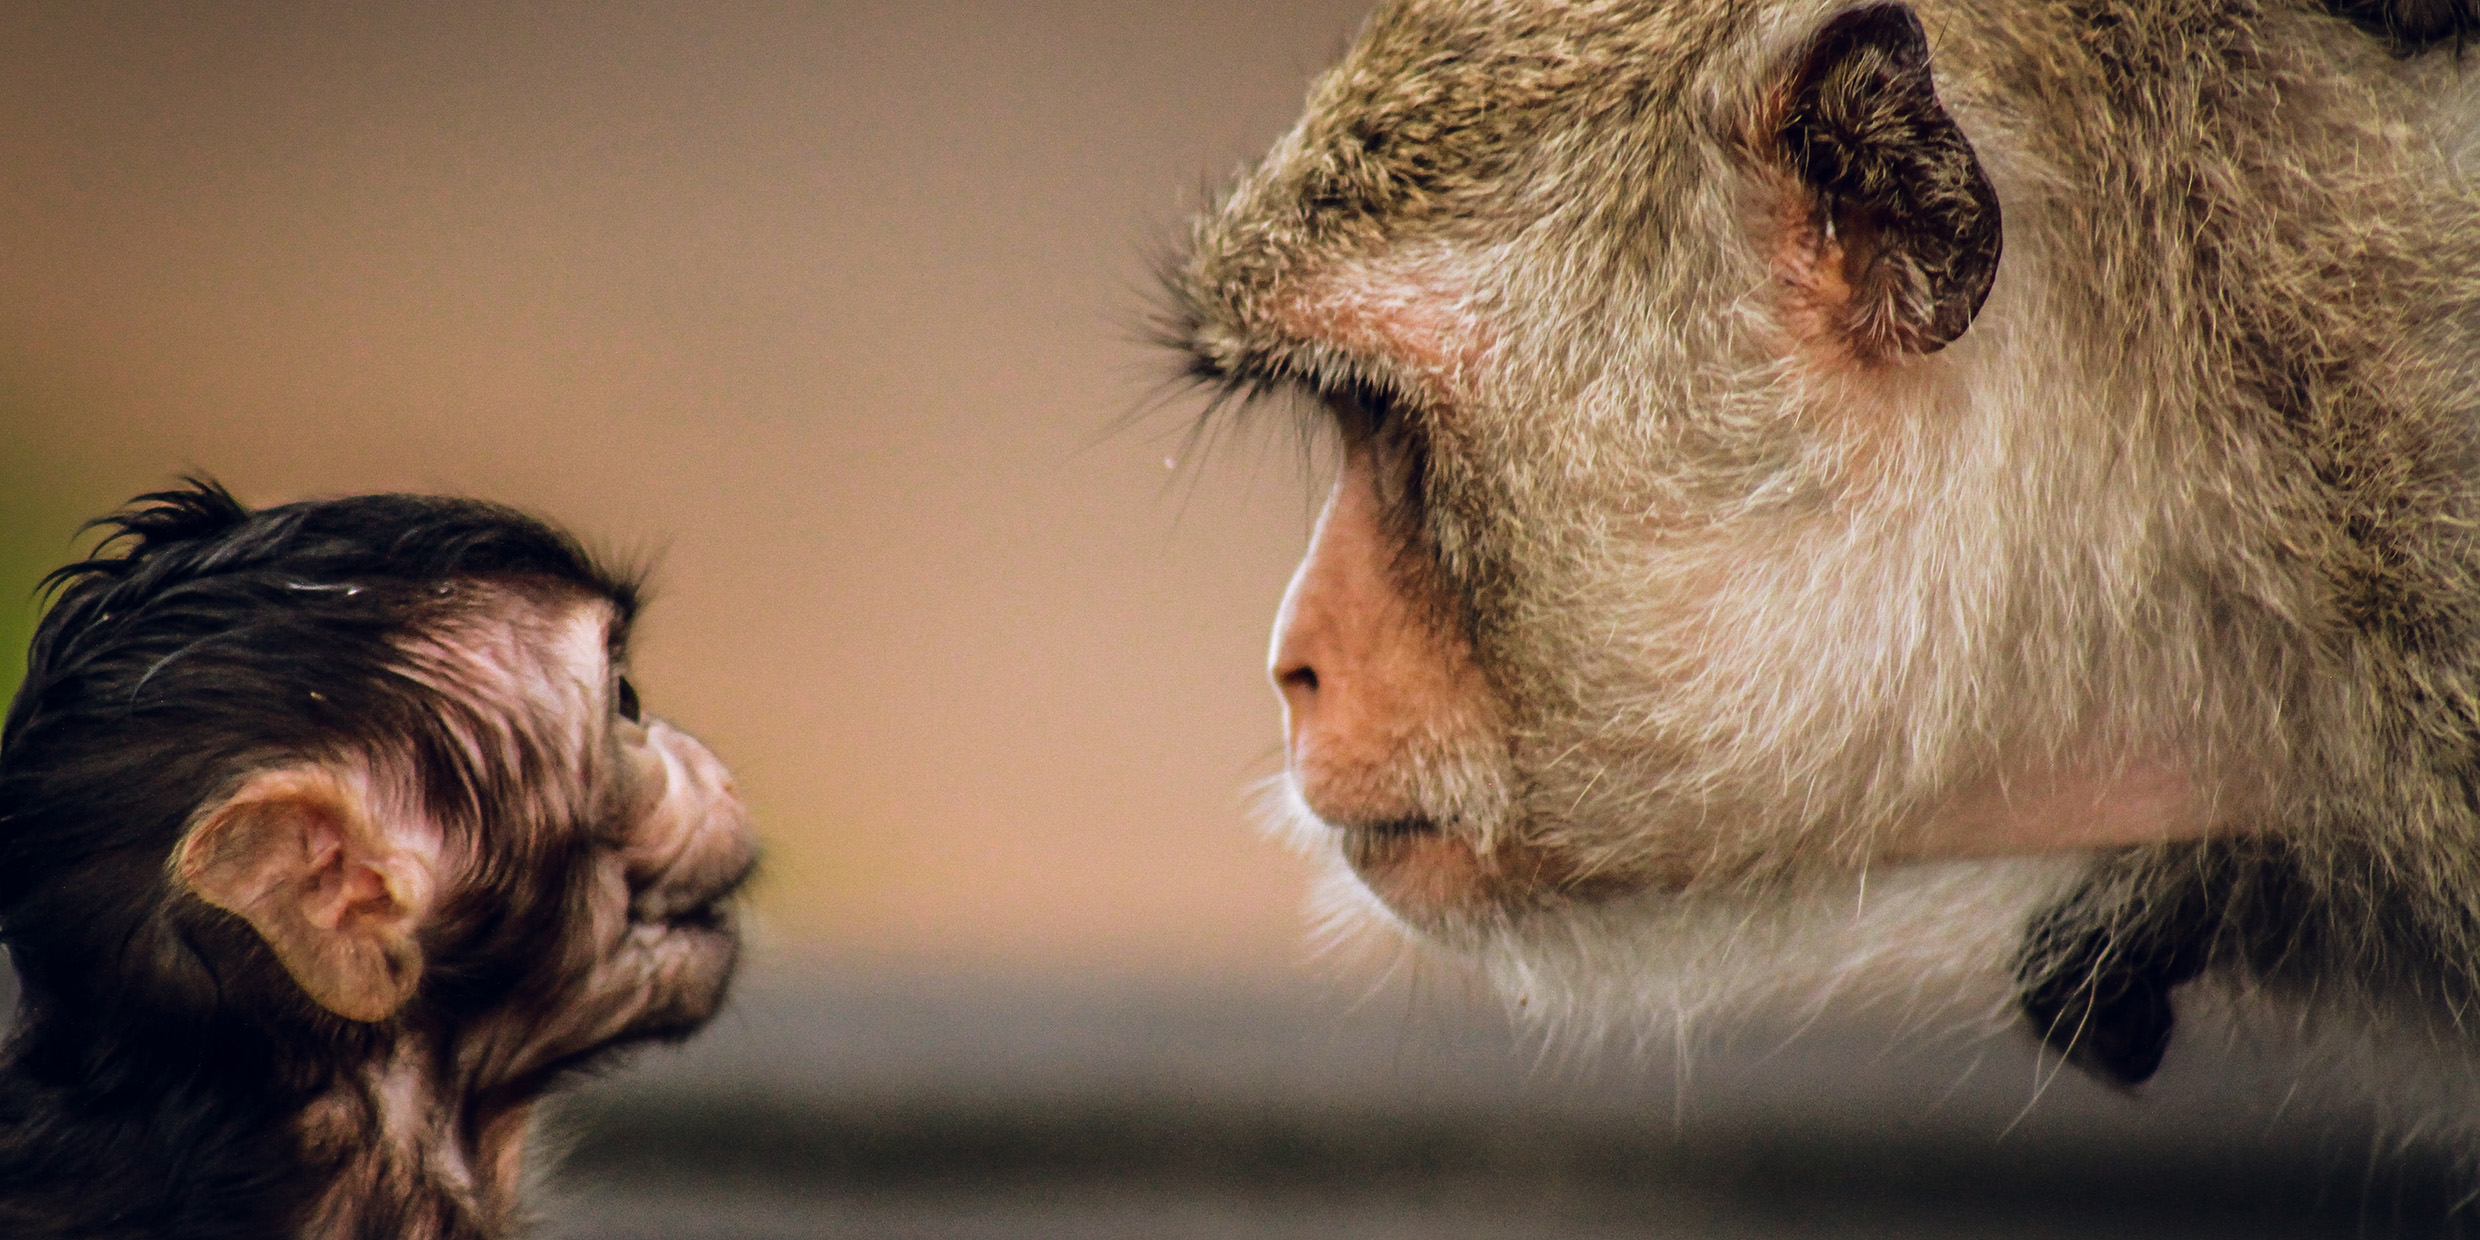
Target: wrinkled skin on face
<point x="648" y="816"/>
<point x="677" y="844"/>
<point x="335" y="837"/>
<point x="596" y="883"/>
<point x="1941" y="492"/>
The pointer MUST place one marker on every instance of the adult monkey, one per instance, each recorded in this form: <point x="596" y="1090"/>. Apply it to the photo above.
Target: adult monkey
<point x="1975" y="492"/>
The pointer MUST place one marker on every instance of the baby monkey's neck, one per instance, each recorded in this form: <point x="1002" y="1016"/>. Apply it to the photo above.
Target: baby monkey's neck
<point x="105" y="1142"/>
<point x="407" y="1147"/>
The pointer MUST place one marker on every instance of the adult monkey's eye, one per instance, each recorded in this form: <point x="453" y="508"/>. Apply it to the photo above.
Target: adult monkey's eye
<point x="625" y="699"/>
<point x="1362" y="410"/>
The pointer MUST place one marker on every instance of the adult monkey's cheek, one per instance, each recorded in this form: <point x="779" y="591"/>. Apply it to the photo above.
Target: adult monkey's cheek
<point x="1390" y="726"/>
<point x="2073" y="808"/>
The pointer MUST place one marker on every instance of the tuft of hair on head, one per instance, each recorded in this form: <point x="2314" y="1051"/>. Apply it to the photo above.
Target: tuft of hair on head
<point x="200" y="531"/>
<point x="201" y="508"/>
<point x="387" y="534"/>
<point x="152" y="671"/>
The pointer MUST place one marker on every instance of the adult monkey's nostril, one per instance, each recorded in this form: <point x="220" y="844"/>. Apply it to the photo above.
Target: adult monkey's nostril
<point x="1324" y="609"/>
<point x="1296" y="682"/>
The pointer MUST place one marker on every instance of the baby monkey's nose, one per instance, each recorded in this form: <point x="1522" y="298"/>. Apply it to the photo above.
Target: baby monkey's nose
<point x="695" y="845"/>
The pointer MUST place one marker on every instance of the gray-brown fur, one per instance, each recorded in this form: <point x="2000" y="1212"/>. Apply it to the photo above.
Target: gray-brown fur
<point x="2200" y="479"/>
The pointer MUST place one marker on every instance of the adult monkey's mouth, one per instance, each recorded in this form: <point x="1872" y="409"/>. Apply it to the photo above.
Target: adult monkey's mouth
<point x="1417" y="824"/>
<point x="1433" y="876"/>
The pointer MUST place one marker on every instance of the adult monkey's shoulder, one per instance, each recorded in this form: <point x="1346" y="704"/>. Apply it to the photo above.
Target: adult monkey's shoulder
<point x="2412" y="26"/>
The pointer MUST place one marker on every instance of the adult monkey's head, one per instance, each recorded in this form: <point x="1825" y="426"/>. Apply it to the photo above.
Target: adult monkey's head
<point x="1973" y="489"/>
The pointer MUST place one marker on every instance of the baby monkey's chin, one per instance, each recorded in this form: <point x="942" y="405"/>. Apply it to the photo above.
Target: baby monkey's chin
<point x="713" y="952"/>
<point x="669" y="973"/>
<point x="688" y="966"/>
<point x="695" y="951"/>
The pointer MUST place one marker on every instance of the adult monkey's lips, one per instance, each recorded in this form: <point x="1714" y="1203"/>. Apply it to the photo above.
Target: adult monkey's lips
<point x="1434" y="877"/>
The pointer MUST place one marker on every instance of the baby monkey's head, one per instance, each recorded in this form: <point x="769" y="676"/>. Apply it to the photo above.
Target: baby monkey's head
<point x="336" y="788"/>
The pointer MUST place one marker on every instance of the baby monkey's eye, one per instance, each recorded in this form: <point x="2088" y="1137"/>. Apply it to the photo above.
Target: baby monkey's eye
<point x="625" y="698"/>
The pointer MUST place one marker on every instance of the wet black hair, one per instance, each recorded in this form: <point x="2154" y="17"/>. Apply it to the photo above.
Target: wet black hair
<point x="157" y="1050"/>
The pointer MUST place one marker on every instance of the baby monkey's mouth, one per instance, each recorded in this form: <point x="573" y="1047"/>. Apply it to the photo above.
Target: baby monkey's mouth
<point x="705" y="908"/>
<point x="714" y="916"/>
<point x="690" y="928"/>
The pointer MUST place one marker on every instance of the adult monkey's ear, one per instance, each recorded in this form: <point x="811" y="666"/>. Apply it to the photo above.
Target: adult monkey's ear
<point x="1894" y="233"/>
<point x="336" y="888"/>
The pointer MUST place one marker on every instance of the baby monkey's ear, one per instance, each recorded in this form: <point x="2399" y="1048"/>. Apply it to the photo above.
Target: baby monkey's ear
<point x="334" y="885"/>
<point x="1892" y="233"/>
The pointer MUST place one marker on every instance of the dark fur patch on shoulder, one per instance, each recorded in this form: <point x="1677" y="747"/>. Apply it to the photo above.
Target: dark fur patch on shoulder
<point x="2098" y="993"/>
<point x="2412" y="26"/>
<point x="2099" y="969"/>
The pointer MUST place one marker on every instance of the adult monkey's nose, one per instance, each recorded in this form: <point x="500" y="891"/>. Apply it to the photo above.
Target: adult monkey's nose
<point x="1361" y="667"/>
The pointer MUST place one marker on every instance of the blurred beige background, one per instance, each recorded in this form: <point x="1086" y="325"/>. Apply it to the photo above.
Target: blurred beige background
<point x="834" y="306"/>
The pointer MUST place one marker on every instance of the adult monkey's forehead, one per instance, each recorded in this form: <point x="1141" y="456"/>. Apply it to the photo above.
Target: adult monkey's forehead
<point x="1455" y="125"/>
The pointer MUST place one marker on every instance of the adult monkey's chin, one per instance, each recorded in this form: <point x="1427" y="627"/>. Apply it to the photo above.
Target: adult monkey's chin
<point x="1937" y="944"/>
<point x="1930" y="946"/>
<point x="1429" y="877"/>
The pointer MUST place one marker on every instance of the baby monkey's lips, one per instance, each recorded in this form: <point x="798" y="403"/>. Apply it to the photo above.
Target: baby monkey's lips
<point x="706" y="911"/>
<point x="693" y="946"/>
<point x="710" y="917"/>
<point x="696" y="933"/>
<point x="699" y="904"/>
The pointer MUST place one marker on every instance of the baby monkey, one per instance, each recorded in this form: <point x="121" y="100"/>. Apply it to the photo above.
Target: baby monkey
<point x="333" y="835"/>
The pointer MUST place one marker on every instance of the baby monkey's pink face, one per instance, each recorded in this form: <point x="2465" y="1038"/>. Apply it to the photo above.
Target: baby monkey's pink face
<point x="684" y="847"/>
<point x="584" y="853"/>
<point x="668" y="839"/>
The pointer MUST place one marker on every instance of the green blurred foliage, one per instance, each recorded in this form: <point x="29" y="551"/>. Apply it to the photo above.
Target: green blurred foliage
<point x="20" y="569"/>
<point x="38" y="526"/>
